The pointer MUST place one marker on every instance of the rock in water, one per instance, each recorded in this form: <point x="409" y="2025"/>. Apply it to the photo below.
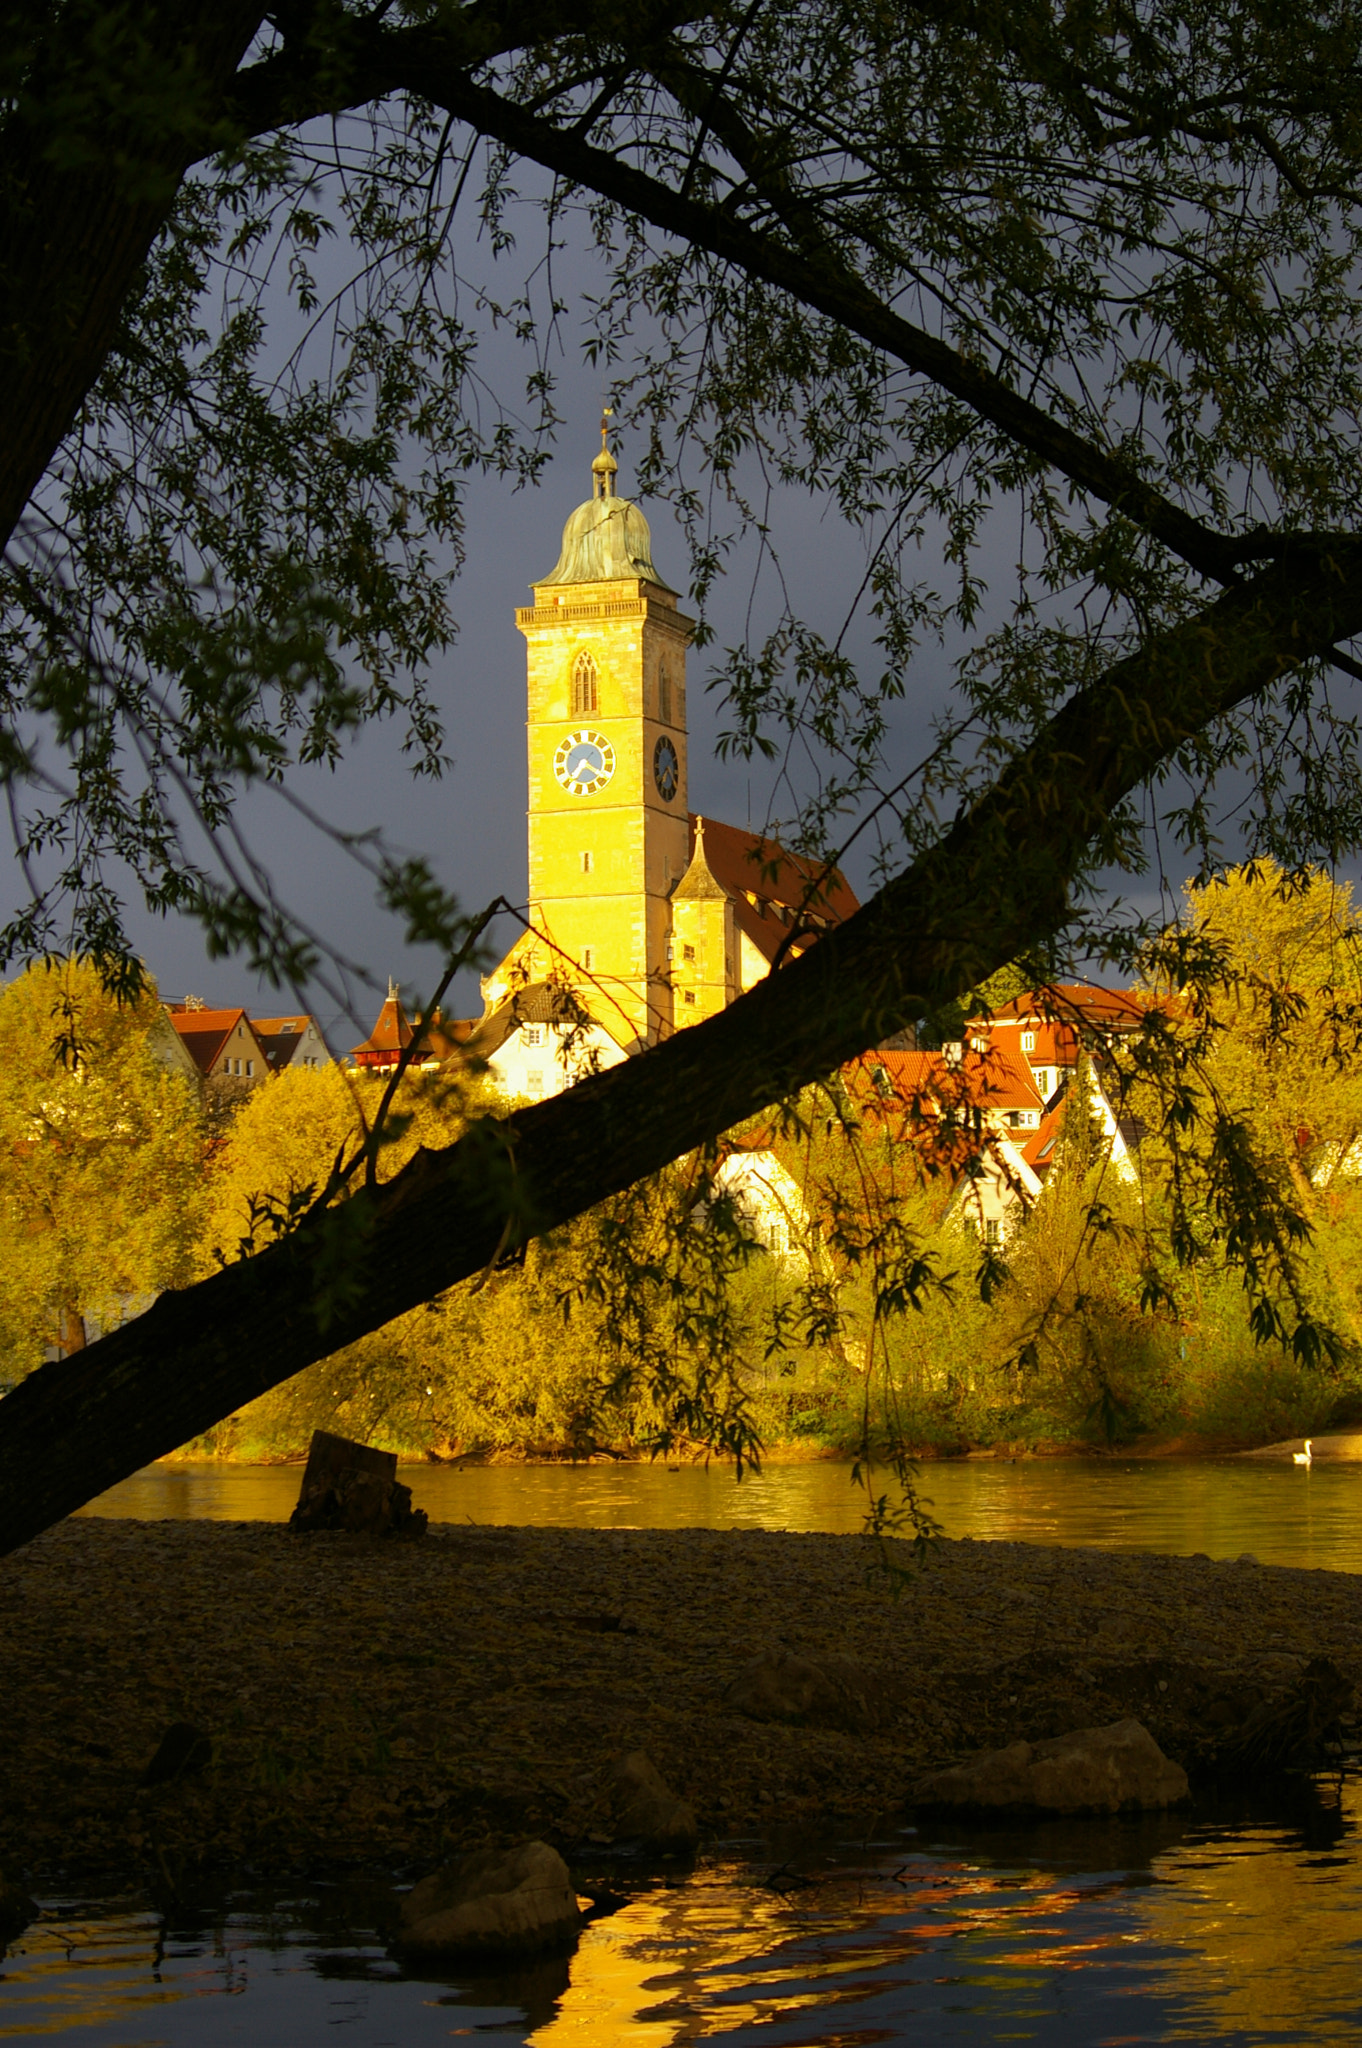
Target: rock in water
<point x="829" y="1694"/>
<point x="354" y="1487"/>
<point x="647" y="1810"/>
<point x="1093" y="1770"/>
<point x="493" y="1902"/>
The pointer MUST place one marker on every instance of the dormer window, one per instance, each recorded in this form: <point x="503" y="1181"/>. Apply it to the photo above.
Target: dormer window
<point x="1028" y="1041"/>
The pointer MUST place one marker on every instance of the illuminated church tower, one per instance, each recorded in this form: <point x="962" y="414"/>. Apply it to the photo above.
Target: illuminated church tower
<point x="608" y="830"/>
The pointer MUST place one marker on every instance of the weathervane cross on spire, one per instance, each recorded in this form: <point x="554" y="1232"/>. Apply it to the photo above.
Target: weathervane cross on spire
<point x="604" y="467"/>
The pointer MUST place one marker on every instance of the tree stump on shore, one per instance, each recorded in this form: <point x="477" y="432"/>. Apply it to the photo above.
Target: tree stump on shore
<point x="354" y="1487"/>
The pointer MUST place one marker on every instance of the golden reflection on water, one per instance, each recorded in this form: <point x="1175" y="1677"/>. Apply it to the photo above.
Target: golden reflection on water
<point x="1064" y="1934"/>
<point x="1248" y="1933"/>
<point x="683" y="1966"/>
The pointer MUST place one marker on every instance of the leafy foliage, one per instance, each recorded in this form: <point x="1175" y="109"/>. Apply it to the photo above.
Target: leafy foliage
<point x="102" y="1166"/>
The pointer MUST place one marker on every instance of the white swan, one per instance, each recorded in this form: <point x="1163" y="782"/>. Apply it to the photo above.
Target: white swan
<point x="1305" y="1457"/>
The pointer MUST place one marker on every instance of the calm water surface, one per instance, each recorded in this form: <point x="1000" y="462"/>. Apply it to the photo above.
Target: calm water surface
<point x="1281" y="1514"/>
<point x="1217" y="1928"/>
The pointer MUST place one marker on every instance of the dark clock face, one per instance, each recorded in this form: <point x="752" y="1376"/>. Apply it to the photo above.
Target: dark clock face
<point x="584" y="762"/>
<point x="666" y="769"/>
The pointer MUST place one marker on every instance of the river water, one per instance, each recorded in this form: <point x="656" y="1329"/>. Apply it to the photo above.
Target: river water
<point x="1278" y="1512"/>
<point x="1237" y="1925"/>
<point x="1219" y="1927"/>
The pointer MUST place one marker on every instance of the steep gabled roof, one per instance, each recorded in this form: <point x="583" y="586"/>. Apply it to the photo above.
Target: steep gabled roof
<point x="281" y="1036"/>
<point x="773" y="892"/>
<point x="204" y="1033"/>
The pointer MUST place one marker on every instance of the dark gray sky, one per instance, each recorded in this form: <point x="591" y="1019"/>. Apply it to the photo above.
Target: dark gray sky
<point x="471" y="824"/>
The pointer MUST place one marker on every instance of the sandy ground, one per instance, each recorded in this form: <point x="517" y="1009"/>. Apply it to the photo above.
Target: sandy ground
<point x="388" y="1702"/>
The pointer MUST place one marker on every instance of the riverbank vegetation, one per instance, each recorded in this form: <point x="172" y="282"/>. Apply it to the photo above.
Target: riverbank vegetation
<point x="1118" y="1309"/>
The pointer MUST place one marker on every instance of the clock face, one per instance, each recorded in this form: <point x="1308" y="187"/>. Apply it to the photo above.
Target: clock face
<point x="584" y="763"/>
<point x="666" y="769"/>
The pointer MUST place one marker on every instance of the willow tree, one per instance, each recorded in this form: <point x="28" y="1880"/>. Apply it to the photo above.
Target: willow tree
<point x="1087" y="272"/>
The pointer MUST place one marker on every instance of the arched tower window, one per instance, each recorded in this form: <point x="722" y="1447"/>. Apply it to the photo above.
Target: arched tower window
<point x="664" y="694"/>
<point x="584" y="691"/>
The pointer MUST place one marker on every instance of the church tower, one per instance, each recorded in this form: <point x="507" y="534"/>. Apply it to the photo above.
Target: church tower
<point x="608" y="830"/>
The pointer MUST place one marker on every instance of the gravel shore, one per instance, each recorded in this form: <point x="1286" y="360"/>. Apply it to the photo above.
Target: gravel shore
<point x="386" y="1702"/>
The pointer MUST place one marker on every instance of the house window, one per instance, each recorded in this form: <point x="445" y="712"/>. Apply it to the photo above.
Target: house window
<point x="586" y="863"/>
<point x="1028" y="1041"/>
<point x="664" y="694"/>
<point x="993" y="1233"/>
<point x="534" y="1080"/>
<point x="780" y="1237"/>
<point x="584" y="691"/>
<point x="1014" y="1119"/>
<point x="688" y="952"/>
<point x="533" y="1034"/>
<point x="689" y="996"/>
<point x="250" y="1066"/>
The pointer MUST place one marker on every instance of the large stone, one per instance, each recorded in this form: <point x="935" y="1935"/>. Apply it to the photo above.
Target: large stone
<point x="354" y="1487"/>
<point x="1093" y="1770"/>
<point x="779" y="1687"/>
<point x="494" y="1902"/>
<point x="646" y="1810"/>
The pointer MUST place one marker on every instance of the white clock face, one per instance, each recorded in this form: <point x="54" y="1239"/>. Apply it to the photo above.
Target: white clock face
<point x="584" y="762"/>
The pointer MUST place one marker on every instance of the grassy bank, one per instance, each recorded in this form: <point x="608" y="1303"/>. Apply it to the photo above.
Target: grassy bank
<point x="390" y="1702"/>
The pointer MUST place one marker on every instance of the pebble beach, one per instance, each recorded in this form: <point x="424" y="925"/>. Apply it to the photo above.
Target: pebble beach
<point x="370" y="1702"/>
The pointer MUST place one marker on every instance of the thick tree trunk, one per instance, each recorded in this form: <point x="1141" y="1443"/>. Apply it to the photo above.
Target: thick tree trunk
<point x="115" y="110"/>
<point x="998" y="882"/>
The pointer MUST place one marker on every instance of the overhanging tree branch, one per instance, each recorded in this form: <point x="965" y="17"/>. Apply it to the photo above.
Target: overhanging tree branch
<point x="999" y="881"/>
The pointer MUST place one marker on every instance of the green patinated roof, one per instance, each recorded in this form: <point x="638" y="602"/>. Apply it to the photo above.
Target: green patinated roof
<point x="607" y="538"/>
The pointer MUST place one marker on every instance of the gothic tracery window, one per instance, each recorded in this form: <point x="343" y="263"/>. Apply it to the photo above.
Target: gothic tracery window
<point x="584" y="692"/>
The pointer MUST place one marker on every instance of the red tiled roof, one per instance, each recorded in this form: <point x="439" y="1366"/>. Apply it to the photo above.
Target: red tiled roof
<point x="1071" y="1002"/>
<point x="1039" y="1149"/>
<point x="773" y="892"/>
<point x="394" y="1032"/>
<point x="205" y="1032"/>
<point x="996" y="1079"/>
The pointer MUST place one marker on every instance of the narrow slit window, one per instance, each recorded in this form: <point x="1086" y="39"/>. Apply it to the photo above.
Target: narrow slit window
<point x="584" y="686"/>
<point x="664" y="695"/>
<point x="586" y="863"/>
